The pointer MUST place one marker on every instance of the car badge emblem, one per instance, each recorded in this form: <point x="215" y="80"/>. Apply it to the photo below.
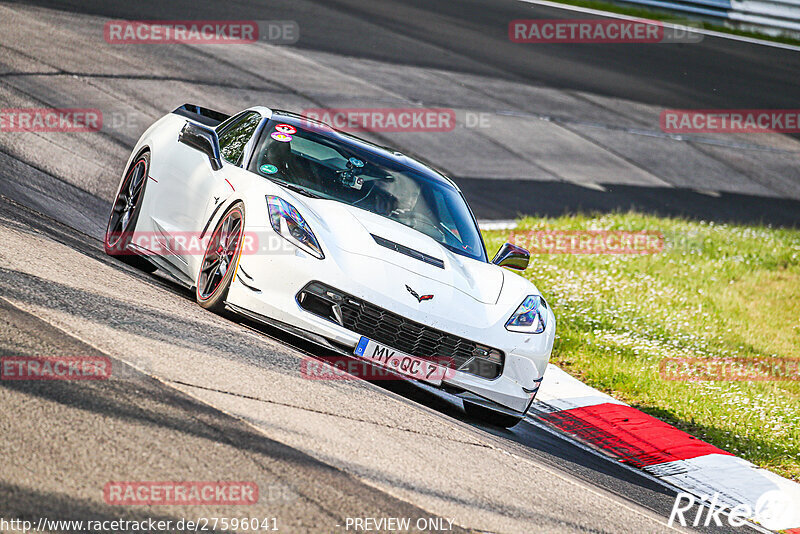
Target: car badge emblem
<point x="417" y="296"/>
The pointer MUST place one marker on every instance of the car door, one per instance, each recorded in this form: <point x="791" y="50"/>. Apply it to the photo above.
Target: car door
<point x="199" y="188"/>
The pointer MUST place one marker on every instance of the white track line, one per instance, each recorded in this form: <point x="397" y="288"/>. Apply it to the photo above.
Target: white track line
<point x="710" y="33"/>
<point x="497" y="225"/>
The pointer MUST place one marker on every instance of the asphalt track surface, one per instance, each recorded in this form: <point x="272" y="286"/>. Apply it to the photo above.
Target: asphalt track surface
<point x="601" y="103"/>
<point x="199" y="397"/>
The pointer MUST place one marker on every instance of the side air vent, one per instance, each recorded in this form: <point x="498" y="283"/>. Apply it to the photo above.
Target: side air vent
<point x="402" y="249"/>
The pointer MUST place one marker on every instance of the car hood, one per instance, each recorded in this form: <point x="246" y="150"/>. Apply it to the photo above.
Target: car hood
<point x="352" y="230"/>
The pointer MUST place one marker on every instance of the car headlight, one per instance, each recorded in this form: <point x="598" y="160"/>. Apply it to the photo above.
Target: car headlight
<point x="290" y="225"/>
<point x="530" y="317"/>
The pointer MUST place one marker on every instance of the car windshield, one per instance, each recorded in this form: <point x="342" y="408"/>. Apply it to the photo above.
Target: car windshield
<point x="319" y="165"/>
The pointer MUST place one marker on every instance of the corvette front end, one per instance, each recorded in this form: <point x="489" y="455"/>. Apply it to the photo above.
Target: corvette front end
<point x="413" y="297"/>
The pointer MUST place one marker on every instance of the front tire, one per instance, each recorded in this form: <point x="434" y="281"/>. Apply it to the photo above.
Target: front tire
<point x="125" y="215"/>
<point x="221" y="260"/>
<point x="489" y="416"/>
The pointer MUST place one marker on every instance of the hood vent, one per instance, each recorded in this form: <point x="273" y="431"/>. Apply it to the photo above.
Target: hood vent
<point x="402" y="249"/>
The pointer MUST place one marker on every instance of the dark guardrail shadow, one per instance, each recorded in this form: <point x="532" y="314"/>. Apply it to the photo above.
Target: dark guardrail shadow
<point x="508" y="199"/>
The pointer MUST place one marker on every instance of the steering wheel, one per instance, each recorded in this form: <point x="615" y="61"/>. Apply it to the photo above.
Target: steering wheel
<point x="415" y="217"/>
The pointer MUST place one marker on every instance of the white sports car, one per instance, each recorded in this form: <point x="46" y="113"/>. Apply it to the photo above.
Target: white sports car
<point x="356" y="247"/>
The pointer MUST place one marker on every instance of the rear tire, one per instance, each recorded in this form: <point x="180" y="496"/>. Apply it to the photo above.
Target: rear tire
<point x="221" y="260"/>
<point x="125" y="215"/>
<point x="489" y="416"/>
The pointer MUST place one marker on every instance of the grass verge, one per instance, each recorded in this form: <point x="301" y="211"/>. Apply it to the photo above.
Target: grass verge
<point x="714" y="291"/>
<point x="667" y="16"/>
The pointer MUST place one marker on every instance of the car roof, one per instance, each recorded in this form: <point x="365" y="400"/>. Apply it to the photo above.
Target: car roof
<point x="296" y="119"/>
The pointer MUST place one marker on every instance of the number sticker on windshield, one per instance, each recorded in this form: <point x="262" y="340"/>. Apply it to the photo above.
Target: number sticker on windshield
<point x="286" y="128"/>
<point x="268" y="169"/>
<point x="281" y="137"/>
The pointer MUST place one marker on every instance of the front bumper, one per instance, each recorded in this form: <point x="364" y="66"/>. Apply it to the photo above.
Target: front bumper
<point x="275" y="302"/>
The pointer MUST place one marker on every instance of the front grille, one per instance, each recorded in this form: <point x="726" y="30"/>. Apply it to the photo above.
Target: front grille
<point x="399" y="332"/>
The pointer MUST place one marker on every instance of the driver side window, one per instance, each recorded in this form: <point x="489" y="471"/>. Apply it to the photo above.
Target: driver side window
<point x="236" y="136"/>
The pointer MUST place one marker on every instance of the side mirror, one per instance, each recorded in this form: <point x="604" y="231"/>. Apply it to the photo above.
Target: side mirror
<point x="513" y="257"/>
<point x="203" y="139"/>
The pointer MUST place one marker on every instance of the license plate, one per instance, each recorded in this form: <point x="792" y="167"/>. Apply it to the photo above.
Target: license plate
<point x="402" y="363"/>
